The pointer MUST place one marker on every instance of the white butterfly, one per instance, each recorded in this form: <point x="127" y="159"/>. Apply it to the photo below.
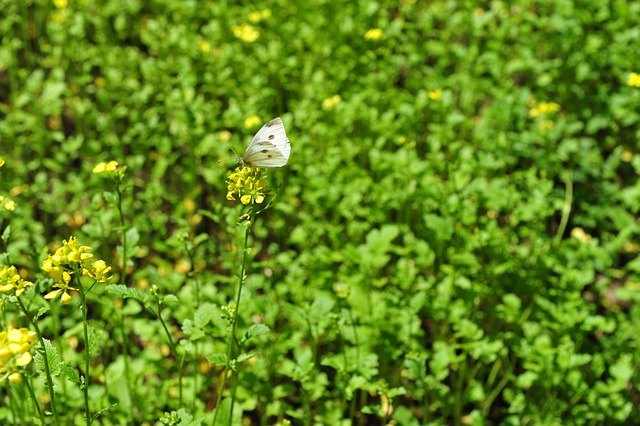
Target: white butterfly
<point x="269" y="147"/>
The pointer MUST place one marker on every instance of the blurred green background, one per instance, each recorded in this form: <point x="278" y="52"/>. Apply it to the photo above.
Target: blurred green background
<point x="456" y="238"/>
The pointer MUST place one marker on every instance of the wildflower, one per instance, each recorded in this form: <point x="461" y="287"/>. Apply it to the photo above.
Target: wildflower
<point x="544" y="108"/>
<point x="245" y="32"/>
<point x="103" y="167"/>
<point x="252" y="121"/>
<point x="257" y="16"/>
<point x="60" y="4"/>
<point x="7" y="204"/>
<point x="374" y="34"/>
<point x="204" y="45"/>
<point x="247" y="183"/>
<point x="66" y="261"/>
<point x="15" y="344"/>
<point x="626" y="156"/>
<point x="225" y="135"/>
<point x="1" y="161"/>
<point x="435" y="95"/>
<point x="100" y="82"/>
<point x="579" y="234"/>
<point x="98" y="271"/>
<point x="330" y="103"/>
<point x="11" y="282"/>
<point x="634" y="79"/>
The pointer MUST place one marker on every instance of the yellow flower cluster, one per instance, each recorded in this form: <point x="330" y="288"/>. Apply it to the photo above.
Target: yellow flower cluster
<point x="245" y="32"/>
<point x="11" y="282"/>
<point x="544" y="108"/>
<point x="252" y="121"/>
<point x="69" y="259"/>
<point x="634" y="79"/>
<point x="435" y="95"/>
<point x="103" y="167"/>
<point x="259" y="15"/>
<point x="331" y="103"/>
<point x="204" y="45"/>
<point x="7" y="204"/>
<point x="374" y="34"/>
<point x="247" y="183"/>
<point x="15" y="344"/>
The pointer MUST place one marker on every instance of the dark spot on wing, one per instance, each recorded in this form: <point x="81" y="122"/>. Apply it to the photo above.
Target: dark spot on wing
<point x="270" y="156"/>
<point x="264" y="151"/>
<point x="271" y="137"/>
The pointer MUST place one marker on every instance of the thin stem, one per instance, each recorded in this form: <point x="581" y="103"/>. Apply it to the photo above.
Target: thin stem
<point x="85" y="328"/>
<point x="123" y="279"/>
<point x="232" y="337"/>
<point x="27" y="382"/>
<point x="166" y="330"/>
<point x="47" y="371"/>
<point x="123" y="273"/>
<point x="566" y="208"/>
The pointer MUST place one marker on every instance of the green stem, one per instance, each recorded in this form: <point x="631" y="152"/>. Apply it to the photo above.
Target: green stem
<point x="196" y="346"/>
<point x="47" y="371"/>
<point x="123" y="273"/>
<point x="27" y="382"/>
<point x="232" y="337"/>
<point x="166" y="331"/>
<point x="85" y="328"/>
<point x="566" y="208"/>
<point x="123" y="279"/>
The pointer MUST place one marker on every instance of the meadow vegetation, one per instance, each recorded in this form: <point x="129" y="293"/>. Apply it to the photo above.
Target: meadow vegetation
<point x="454" y="240"/>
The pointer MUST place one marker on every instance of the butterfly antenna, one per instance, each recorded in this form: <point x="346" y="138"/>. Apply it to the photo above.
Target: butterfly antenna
<point x="234" y="153"/>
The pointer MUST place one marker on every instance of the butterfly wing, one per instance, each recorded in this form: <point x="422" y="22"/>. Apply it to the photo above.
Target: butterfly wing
<point x="269" y="147"/>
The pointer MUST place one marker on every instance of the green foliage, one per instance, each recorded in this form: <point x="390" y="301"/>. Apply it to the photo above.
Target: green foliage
<point x="455" y="237"/>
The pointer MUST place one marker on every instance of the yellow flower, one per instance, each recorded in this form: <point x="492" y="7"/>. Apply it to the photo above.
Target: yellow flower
<point x="14" y="352"/>
<point x="98" y="271"/>
<point x="257" y="16"/>
<point x="579" y="234"/>
<point x="626" y="156"/>
<point x="61" y="4"/>
<point x="66" y="298"/>
<point x="15" y="378"/>
<point x="100" y="81"/>
<point x="7" y="204"/>
<point x="247" y="183"/>
<point x="245" y="32"/>
<point x="11" y="282"/>
<point x="634" y="79"/>
<point x="1" y="161"/>
<point x="66" y="261"/>
<point x="374" y="34"/>
<point x="252" y="121"/>
<point x="435" y="95"/>
<point x="204" y="45"/>
<point x="225" y="135"/>
<point x="330" y="103"/>
<point x="103" y="167"/>
<point x="544" y="108"/>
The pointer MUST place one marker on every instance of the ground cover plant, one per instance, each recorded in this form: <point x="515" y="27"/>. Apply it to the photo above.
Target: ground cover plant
<point x="454" y="240"/>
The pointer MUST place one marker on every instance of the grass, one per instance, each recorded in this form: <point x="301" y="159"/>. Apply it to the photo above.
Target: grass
<point x="454" y="239"/>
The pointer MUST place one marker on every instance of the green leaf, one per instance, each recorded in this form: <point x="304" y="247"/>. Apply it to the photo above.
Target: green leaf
<point x="52" y="356"/>
<point x="70" y="373"/>
<point x="219" y="359"/>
